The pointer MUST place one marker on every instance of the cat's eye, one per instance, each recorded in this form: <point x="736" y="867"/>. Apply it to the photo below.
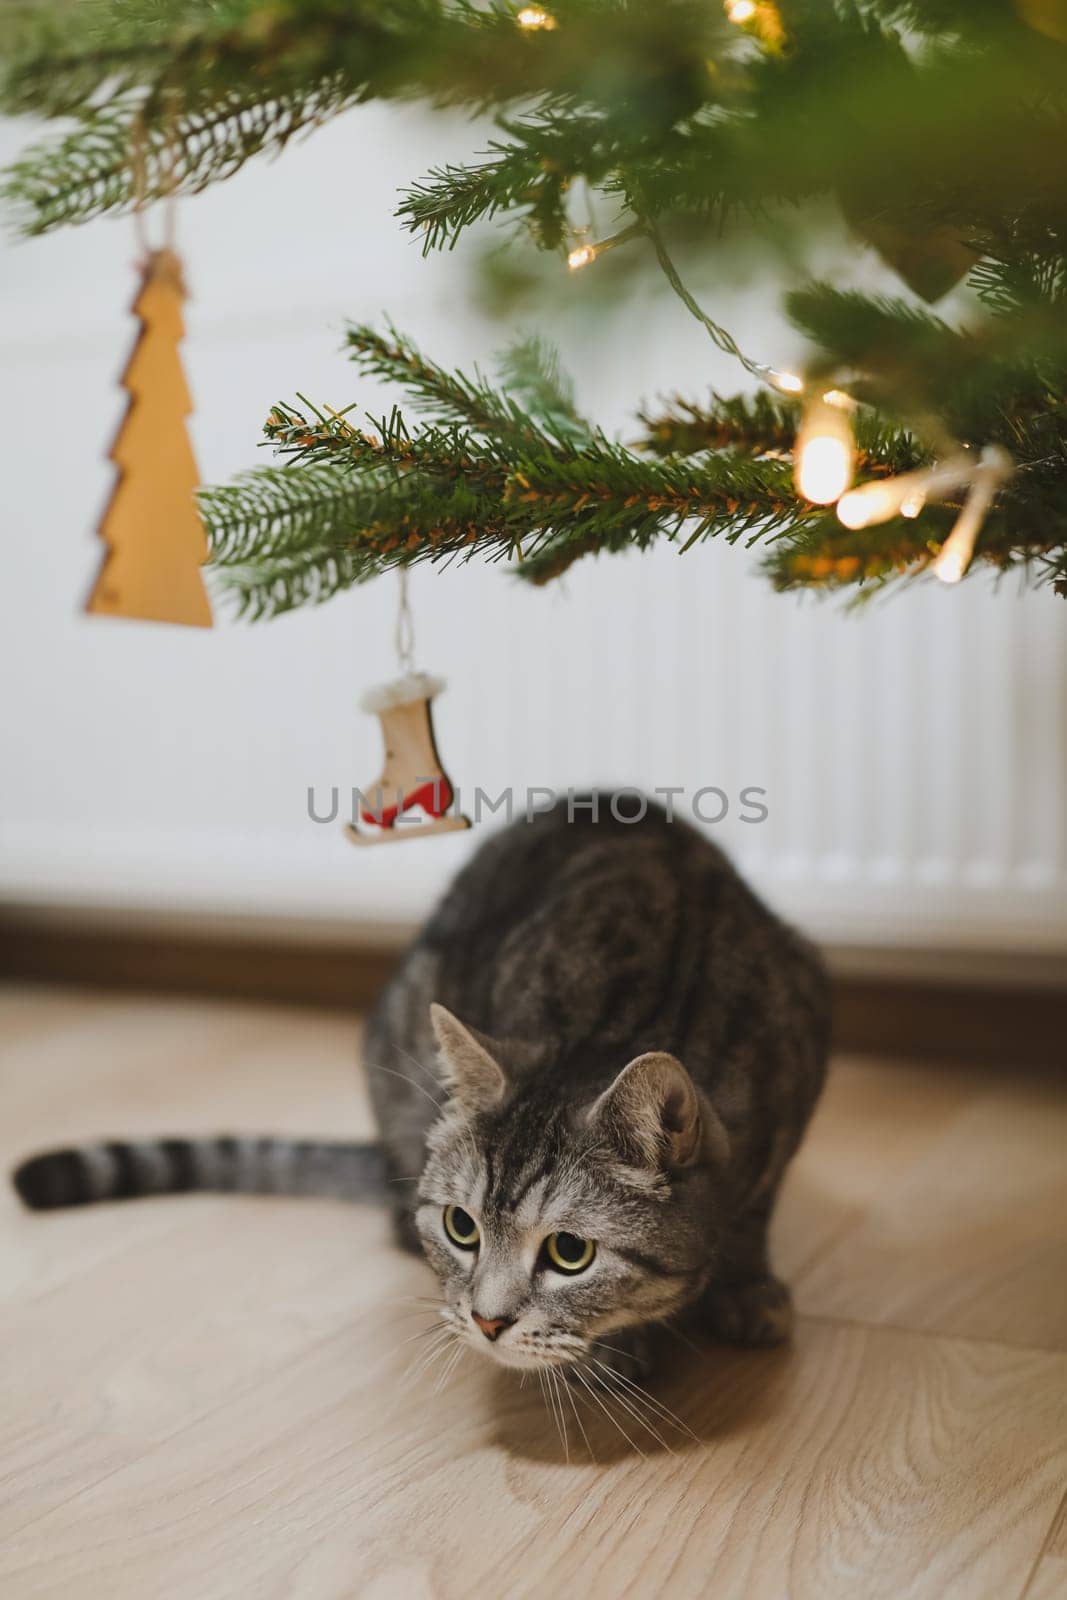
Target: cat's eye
<point x="461" y="1228"/>
<point x="566" y="1252"/>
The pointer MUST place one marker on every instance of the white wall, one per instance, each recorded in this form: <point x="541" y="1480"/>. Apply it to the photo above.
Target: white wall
<point x="915" y="758"/>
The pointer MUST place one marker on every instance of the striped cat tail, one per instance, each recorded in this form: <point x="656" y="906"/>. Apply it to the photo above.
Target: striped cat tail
<point x="127" y="1170"/>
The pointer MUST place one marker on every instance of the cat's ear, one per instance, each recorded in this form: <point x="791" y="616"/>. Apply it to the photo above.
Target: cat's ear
<point x="652" y="1112"/>
<point x="471" y="1073"/>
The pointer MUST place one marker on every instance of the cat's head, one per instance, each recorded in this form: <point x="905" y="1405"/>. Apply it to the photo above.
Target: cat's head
<point x="553" y="1223"/>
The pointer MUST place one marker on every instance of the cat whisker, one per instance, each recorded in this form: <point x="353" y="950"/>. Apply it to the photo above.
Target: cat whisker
<point x="542" y="1374"/>
<point x="448" y="1368"/>
<point x="637" y="1405"/>
<point x="541" y="1386"/>
<point x="431" y="1315"/>
<point x="615" y="1349"/>
<point x="436" y="1356"/>
<point x="554" y="1381"/>
<point x="425" y="1359"/>
<point x="415" y="1062"/>
<point x="568" y="1391"/>
<point x="677" y="1334"/>
<point x="649" y="1399"/>
<point x="643" y="1397"/>
<point x="583" y="1379"/>
<point x="423" y="1333"/>
<point x="441" y="1329"/>
<point x="439" y="1356"/>
<point x="411" y="1083"/>
<point x="626" y="1401"/>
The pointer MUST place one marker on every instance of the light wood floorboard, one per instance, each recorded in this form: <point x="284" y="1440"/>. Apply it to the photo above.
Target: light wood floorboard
<point x="205" y="1398"/>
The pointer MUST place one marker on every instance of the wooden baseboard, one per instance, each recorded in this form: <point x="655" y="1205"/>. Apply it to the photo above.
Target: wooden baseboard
<point x="1016" y="1025"/>
<point x="336" y="974"/>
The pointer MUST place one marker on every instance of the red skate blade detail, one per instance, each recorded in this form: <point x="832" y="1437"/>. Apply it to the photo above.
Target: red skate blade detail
<point x="434" y="798"/>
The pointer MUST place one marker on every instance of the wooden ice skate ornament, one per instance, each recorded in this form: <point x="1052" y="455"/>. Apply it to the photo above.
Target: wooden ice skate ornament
<point x="412" y="775"/>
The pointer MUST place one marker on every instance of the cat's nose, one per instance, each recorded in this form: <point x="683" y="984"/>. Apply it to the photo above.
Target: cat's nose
<point x="492" y="1327"/>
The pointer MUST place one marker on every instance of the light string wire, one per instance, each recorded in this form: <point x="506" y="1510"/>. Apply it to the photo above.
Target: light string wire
<point x="720" y="336"/>
<point x="982" y="473"/>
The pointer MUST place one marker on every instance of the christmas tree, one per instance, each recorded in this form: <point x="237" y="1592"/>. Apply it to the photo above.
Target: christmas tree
<point x="910" y="439"/>
<point x="152" y="528"/>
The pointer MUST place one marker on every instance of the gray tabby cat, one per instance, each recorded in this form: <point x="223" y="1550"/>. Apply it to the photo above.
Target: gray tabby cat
<point x="602" y="1137"/>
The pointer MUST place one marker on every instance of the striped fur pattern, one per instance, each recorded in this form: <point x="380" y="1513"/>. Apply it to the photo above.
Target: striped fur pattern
<point x="626" y="1047"/>
<point x="600" y="1035"/>
<point x="129" y="1169"/>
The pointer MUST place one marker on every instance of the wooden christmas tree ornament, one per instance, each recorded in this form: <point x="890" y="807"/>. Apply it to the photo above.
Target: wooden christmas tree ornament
<point x="155" y="538"/>
<point x="412" y="775"/>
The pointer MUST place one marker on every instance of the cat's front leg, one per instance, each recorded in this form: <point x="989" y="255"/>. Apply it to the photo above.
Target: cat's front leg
<point x="756" y="1314"/>
<point x="745" y="1304"/>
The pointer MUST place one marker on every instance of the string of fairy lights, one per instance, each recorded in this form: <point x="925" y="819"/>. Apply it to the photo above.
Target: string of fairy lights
<point x="825" y="453"/>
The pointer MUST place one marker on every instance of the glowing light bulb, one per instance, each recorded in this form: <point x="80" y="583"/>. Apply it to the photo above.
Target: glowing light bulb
<point x="824" y="468"/>
<point x="824" y="453"/>
<point x="581" y="256"/>
<point x="740" y="11"/>
<point x="860" y="507"/>
<point x="954" y="557"/>
<point x="994" y="468"/>
<point x="788" y="382"/>
<point x="877" y="502"/>
<point x="838" y="398"/>
<point x="532" y="17"/>
<point x="951" y="565"/>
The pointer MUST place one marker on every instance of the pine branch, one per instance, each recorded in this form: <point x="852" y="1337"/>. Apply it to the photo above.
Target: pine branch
<point x="766" y="424"/>
<point x="757" y="424"/>
<point x="395" y="525"/>
<point x="647" y="63"/>
<point x="487" y="478"/>
<point x="443" y="205"/>
<point x="981" y="383"/>
<point x="530" y="174"/>
<point x="537" y="479"/>
<point x="855" y="329"/>
<point x="440" y="451"/>
<point x="1013" y="282"/>
<point x="353" y="502"/>
<point x="271" y="511"/>
<point x="821" y="554"/>
<point x="88" y="171"/>
<point x="452" y="397"/>
<point x="944" y="122"/>
<point x="260" y="590"/>
<point x="530" y="371"/>
<point x="261" y="69"/>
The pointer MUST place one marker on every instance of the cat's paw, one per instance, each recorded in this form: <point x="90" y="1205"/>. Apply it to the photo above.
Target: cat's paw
<point x="756" y="1315"/>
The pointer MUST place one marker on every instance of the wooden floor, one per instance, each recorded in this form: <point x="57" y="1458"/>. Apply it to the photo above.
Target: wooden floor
<point x="210" y="1397"/>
